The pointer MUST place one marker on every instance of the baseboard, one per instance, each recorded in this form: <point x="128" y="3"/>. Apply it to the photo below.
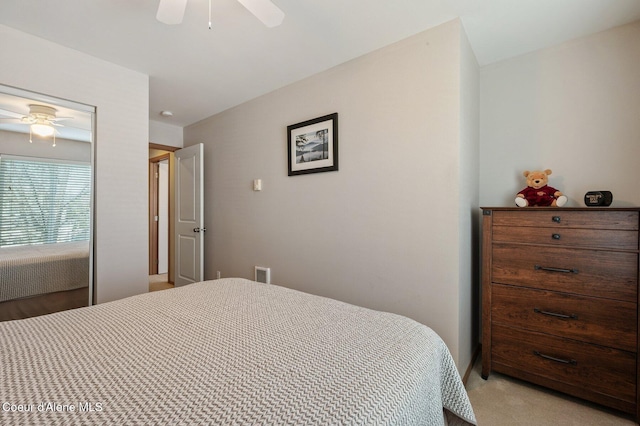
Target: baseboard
<point x="467" y="373"/>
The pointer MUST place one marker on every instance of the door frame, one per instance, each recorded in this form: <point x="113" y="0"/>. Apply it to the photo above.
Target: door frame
<point x="154" y="197"/>
<point x="153" y="207"/>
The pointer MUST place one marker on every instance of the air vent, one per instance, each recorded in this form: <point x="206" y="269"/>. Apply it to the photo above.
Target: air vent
<point x="263" y="275"/>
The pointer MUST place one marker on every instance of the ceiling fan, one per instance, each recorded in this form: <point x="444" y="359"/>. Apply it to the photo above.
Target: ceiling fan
<point x="41" y="120"/>
<point x="172" y="11"/>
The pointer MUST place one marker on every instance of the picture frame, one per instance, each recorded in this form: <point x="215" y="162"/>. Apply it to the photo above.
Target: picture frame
<point x="312" y="145"/>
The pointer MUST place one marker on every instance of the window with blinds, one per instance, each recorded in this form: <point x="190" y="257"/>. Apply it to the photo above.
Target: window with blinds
<point x="43" y="201"/>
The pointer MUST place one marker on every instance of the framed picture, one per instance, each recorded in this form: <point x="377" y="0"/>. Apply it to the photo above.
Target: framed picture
<point x="313" y="145"/>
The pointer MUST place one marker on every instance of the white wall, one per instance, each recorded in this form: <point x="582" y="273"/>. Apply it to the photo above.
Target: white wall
<point x="18" y="144"/>
<point x="573" y="108"/>
<point x="163" y="217"/>
<point x="165" y="134"/>
<point x="121" y="97"/>
<point x="468" y="212"/>
<point x="382" y="232"/>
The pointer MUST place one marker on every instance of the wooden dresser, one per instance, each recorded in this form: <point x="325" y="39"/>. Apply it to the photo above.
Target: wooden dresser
<point x="560" y="300"/>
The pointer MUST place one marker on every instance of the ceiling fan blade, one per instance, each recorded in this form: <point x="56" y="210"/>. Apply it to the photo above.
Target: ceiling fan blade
<point x="10" y="114"/>
<point x="171" y="11"/>
<point x="264" y="10"/>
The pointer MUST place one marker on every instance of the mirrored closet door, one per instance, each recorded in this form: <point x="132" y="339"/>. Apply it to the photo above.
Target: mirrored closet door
<point x="46" y="204"/>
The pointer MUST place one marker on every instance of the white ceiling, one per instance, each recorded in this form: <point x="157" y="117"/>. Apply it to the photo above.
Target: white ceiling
<point x="196" y="72"/>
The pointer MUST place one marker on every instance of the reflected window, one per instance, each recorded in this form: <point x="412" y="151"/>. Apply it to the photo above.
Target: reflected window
<point x="44" y="201"/>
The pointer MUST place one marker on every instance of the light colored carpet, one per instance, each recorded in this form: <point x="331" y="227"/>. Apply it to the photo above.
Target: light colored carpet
<point x="502" y="400"/>
<point x="159" y="282"/>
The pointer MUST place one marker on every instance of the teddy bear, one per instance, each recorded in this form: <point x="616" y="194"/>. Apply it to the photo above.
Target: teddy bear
<point x="538" y="193"/>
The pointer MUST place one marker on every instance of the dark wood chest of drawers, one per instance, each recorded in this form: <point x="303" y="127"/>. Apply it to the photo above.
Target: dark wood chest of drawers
<point x="560" y="300"/>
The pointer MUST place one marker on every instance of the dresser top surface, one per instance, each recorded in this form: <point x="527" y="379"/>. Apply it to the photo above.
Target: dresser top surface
<point x="560" y="209"/>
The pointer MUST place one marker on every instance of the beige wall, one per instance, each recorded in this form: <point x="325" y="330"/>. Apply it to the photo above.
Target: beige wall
<point x="383" y="231"/>
<point x="121" y="97"/>
<point x="573" y="108"/>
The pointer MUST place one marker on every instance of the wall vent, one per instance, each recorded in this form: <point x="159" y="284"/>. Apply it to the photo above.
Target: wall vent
<point x="263" y="275"/>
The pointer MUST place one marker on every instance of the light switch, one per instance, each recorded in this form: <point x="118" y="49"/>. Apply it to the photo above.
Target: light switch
<point x="257" y="184"/>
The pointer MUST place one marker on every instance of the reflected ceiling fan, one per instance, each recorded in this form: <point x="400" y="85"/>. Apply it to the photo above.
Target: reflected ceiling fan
<point x="41" y="120"/>
<point x="172" y="11"/>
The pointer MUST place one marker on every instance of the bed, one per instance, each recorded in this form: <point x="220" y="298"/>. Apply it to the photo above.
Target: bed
<point x="43" y="278"/>
<point x="227" y="352"/>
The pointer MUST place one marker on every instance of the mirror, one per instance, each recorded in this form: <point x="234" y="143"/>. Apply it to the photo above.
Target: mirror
<point x="46" y="204"/>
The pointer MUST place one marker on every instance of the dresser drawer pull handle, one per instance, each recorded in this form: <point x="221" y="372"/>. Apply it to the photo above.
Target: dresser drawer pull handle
<point x="552" y="358"/>
<point x="555" y="236"/>
<point x="556" y="219"/>
<point x="554" y="314"/>
<point x="546" y="268"/>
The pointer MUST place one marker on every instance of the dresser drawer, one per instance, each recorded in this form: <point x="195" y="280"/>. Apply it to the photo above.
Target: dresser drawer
<point x="601" y="321"/>
<point x="559" y="218"/>
<point x="598" y="273"/>
<point x="603" y="238"/>
<point x="597" y="369"/>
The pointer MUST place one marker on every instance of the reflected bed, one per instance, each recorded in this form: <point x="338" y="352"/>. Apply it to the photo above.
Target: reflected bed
<point x="43" y="278"/>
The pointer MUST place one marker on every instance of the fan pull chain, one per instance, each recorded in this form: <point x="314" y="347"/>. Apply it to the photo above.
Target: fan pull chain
<point x="209" y="14"/>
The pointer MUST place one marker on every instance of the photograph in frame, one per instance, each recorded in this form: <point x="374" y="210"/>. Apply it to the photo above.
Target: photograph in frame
<point x="313" y="145"/>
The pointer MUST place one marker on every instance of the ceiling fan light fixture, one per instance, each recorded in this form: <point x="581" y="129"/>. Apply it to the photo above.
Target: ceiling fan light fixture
<point x="172" y="11"/>
<point x="42" y="129"/>
<point x="41" y="120"/>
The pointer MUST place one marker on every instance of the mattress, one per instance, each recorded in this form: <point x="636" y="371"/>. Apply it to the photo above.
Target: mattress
<point x="32" y="270"/>
<point x="227" y="352"/>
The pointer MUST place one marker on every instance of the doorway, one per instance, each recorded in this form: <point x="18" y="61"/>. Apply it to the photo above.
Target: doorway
<point x="161" y="206"/>
<point x="159" y="219"/>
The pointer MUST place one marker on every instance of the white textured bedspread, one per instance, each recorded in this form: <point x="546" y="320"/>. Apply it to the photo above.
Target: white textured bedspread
<point x="226" y="352"/>
<point x="37" y="269"/>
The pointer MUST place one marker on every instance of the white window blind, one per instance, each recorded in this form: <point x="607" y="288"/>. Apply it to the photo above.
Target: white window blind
<point x="43" y="201"/>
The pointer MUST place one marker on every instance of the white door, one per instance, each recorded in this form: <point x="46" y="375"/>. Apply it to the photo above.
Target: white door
<point x="189" y="228"/>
